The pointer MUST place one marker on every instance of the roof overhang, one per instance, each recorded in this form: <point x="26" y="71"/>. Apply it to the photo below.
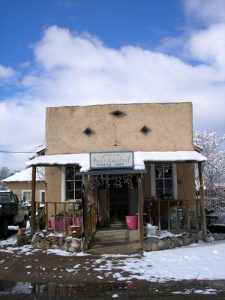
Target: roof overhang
<point x="140" y="158"/>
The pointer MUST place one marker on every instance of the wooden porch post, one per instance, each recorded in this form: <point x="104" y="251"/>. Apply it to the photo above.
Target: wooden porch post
<point x="33" y="203"/>
<point x="85" y="213"/>
<point x="202" y="203"/>
<point x="140" y="213"/>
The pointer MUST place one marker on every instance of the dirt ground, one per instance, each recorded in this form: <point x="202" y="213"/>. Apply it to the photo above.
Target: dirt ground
<point x="49" y="276"/>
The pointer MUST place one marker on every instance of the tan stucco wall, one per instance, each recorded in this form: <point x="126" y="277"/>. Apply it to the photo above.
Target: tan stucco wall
<point x="53" y="179"/>
<point x="17" y="188"/>
<point x="171" y="130"/>
<point x="170" y="124"/>
<point x="186" y="181"/>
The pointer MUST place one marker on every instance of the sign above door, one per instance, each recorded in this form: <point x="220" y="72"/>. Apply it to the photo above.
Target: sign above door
<point x="112" y="160"/>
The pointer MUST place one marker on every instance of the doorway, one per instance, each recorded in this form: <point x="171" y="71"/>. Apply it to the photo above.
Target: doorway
<point x="118" y="202"/>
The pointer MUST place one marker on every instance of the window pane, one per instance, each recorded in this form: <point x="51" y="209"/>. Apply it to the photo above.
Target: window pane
<point x="168" y="183"/>
<point x="70" y="173"/>
<point x="159" y="183"/>
<point x="42" y="197"/>
<point x="159" y="192"/>
<point x="78" y="185"/>
<point x="70" y="185"/>
<point x="78" y="194"/>
<point x="167" y="171"/>
<point x="169" y="192"/>
<point x="69" y="194"/>
<point x="158" y="171"/>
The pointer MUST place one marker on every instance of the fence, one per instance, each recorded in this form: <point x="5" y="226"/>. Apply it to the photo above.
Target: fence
<point x="59" y="216"/>
<point x="173" y="214"/>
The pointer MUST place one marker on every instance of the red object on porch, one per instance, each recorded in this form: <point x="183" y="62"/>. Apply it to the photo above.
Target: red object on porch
<point x="132" y="222"/>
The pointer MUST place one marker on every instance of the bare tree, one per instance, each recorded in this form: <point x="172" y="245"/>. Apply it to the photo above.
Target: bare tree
<point x="214" y="167"/>
<point x="4" y="173"/>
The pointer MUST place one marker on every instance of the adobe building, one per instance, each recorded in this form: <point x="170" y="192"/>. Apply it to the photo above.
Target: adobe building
<point x="20" y="184"/>
<point x="121" y="160"/>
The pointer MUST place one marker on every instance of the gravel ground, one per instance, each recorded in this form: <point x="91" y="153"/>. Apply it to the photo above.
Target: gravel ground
<point x="26" y="274"/>
<point x="40" y="275"/>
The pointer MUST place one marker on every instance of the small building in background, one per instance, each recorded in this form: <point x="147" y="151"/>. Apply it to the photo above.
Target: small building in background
<point x="20" y="184"/>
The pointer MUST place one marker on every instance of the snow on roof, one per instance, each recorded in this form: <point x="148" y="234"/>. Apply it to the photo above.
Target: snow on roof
<point x="139" y="158"/>
<point x="63" y="159"/>
<point x="26" y="175"/>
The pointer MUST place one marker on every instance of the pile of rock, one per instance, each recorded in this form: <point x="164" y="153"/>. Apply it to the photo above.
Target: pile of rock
<point x="43" y="241"/>
<point x="169" y="242"/>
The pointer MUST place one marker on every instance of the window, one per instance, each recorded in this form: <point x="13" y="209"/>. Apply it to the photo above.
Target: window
<point x="26" y="195"/>
<point x="42" y="197"/>
<point x="163" y="180"/>
<point x="73" y="183"/>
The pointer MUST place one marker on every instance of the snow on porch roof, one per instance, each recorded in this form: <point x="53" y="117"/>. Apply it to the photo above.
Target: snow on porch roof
<point x="83" y="159"/>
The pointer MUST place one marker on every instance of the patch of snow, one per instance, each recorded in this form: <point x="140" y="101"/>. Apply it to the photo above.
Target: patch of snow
<point x="25" y="175"/>
<point x="115" y="296"/>
<point x="140" y="157"/>
<point x="9" y="242"/>
<point x="201" y="262"/>
<point x="13" y="228"/>
<point x="65" y="253"/>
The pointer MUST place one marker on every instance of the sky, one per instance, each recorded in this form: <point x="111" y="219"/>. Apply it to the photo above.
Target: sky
<point x="83" y="52"/>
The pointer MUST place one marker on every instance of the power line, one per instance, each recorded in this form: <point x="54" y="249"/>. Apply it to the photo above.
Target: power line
<point x="19" y="152"/>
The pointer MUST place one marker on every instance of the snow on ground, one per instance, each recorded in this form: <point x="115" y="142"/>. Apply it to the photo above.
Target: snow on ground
<point x="197" y="261"/>
<point x="9" y="242"/>
<point x="65" y="253"/>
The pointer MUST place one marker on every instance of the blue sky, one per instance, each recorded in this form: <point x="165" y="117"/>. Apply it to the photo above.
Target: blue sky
<point x="115" y="22"/>
<point x="69" y="52"/>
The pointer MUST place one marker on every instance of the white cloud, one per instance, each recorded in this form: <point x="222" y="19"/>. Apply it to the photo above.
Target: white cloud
<point x="209" y="46"/>
<point x="6" y="72"/>
<point x="208" y="11"/>
<point x="78" y="69"/>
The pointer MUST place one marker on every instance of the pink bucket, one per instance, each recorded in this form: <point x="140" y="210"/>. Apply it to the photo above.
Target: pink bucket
<point x="132" y="222"/>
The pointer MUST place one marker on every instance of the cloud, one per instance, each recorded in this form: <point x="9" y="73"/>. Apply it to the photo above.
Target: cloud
<point x="6" y="72"/>
<point x="79" y="69"/>
<point x="208" y="46"/>
<point x="207" y="11"/>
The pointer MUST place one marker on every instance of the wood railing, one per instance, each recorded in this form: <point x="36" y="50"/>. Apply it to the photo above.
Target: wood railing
<point x="58" y="216"/>
<point x="170" y="214"/>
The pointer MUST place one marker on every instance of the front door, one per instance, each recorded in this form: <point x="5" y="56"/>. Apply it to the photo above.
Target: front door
<point x="118" y="202"/>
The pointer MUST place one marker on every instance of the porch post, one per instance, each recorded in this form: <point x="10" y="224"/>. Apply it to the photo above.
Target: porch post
<point x="202" y="203"/>
<point x="33" y="203"/>
<point x="85" y="212"/>
<point x="140" y="213"/>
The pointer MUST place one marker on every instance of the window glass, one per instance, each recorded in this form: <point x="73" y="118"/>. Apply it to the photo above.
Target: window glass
<point x="164" y="181"/>
<point x="26" y="195"/>
<point x="74" y="183"/>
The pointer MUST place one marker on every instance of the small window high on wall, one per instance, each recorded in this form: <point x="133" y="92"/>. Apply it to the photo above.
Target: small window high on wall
<point x="163" y="180"/>
<point x="73" y="183"/>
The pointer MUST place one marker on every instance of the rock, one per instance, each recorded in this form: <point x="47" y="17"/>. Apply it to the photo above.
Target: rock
<point x="75" y="245"/>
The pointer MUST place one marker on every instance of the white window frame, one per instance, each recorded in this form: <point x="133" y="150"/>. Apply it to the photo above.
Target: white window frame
<point x="174" y="180"/>
<point x="27" y="191"/>
<point x="63" y="184"/>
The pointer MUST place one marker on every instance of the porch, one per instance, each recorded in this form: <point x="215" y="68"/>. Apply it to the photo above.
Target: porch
<point x="165" y="213"/>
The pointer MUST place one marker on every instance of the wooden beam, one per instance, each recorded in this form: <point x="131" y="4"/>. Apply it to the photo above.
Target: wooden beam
<point x="202" y="202"/>
<point x="85" y="213"/>
<point x="33" y="203"/>
<point x="140" y="213"/>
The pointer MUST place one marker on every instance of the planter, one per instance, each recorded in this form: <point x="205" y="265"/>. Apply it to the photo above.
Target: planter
<point x="132" y="222"/>
<point x="74" y="230"/>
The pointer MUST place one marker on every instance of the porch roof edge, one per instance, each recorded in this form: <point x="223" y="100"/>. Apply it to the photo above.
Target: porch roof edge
<point x="140" y="158"/>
